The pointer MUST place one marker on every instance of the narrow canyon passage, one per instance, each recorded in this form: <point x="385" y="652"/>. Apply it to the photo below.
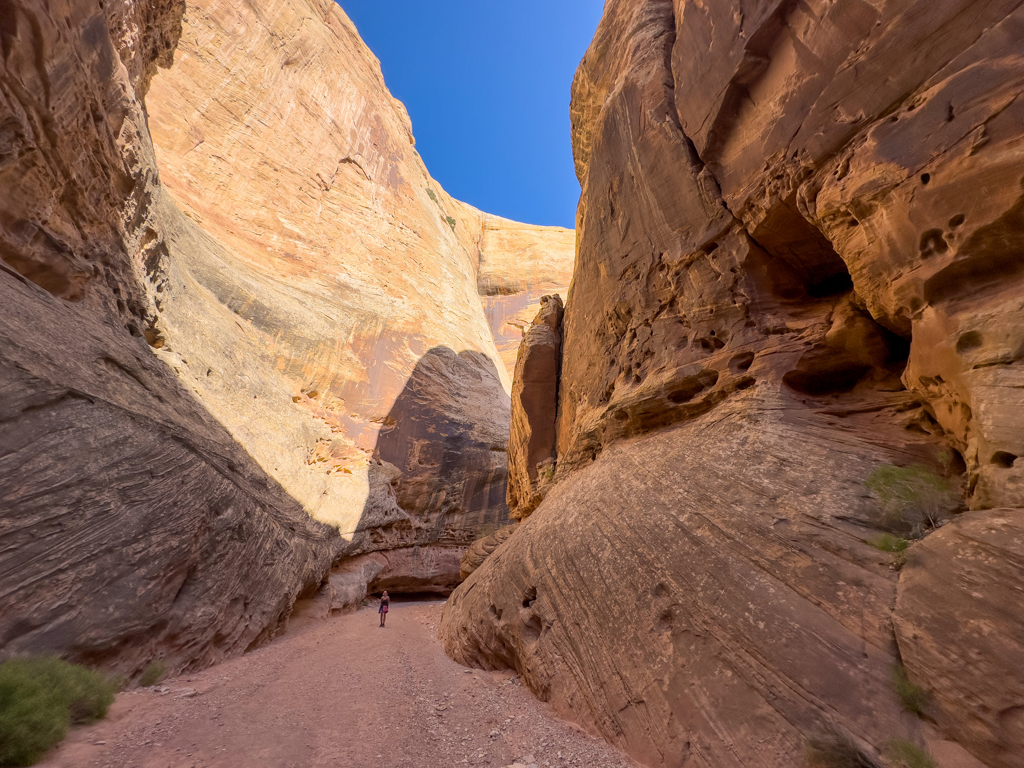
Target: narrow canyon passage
<point x="340" y="692"/>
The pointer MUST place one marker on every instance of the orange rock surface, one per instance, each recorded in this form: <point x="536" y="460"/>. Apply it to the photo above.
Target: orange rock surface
<point x="242" y="339"/>
<point x="799" y="264"/>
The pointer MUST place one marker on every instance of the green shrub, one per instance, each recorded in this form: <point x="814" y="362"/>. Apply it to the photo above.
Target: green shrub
<point x="431" y="195"/>
<point x="903" y="490"/>
<point x="835" y="750"/>
<point x="152" y="674"/>
<point x="889" y="543"/>
<point x="912" y="696"/>
<point x="39" y="699"/>
<point x="904" y="754"/>
<point x="451" y="222"/>
<point x="886" y="542"/>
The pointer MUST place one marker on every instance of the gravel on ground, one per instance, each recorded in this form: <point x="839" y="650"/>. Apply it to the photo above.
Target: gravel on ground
<point x="338" y="692"/>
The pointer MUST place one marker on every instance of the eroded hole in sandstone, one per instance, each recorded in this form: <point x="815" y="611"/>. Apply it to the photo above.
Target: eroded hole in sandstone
<point x="711" y="343"/>
<point x="741" y="362"/>
<point x="932" y="243"/>
<point x="1003" y="459"/>
<point x="804" y="263"/>
<point x="968" y="341"/>
<point x="532" y="628"/>
<point x="745" y="382"/>
<point x="825" y="382"/>
<point x="833" y="285"/>
<point x="530" y="597"/>
<point x="692" y="386"/>
<point x="666" y="618"/>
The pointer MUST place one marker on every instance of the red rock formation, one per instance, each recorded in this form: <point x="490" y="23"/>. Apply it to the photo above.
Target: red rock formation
<point x="799" y="260"/>
<point x="481" y="549"/>
<point x="959" y="618"/>
<point x="535" y="398"/>
<point x="132" y="525"/>
<point x="311" y="299"/>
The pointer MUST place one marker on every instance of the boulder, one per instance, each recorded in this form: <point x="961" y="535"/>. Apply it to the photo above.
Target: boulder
<point x="959" y="618"/>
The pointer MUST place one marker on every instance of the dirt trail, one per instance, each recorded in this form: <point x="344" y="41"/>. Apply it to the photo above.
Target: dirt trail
<point x="339" y="692"/>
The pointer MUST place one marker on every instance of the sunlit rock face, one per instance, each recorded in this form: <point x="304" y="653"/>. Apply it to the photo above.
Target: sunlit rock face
<point x="799" y="260"/>
<point x="132" y="525"/>
<point x="520" y="264"/>
<point x="237" y="353"/>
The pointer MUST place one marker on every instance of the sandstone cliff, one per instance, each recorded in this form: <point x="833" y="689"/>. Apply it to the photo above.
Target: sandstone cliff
<point x="535" y="409"/>
<point x="519" y="264"/>
<point x="241" y="351"/>
<point x="321" y="290"/>
<point x="799" y="261"/>
<point x="132" y="525"/>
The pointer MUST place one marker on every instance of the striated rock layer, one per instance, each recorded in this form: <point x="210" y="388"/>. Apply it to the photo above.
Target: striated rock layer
<point x="228" y="381"/>
<point x="799" y="260"/>
<point x="132" y="525"/>
<point x="535" y="398"/>
<point x="959" y="618"/>
<point x="314" y="239"/>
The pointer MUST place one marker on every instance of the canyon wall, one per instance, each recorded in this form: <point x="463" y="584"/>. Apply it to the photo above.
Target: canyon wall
<point x="132" y="525"/>
<point x="799" y="267"/>
<point x="320" y="294"/>
<point x="245" y="358"/>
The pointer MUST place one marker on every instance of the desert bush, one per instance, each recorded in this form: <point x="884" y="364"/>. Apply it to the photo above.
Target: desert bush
<point x="889" y="543"/>
<point x="904" y="754"/>
<point x="904" y="492"/>
<point x="834" y="750"/>
<point x="39" y="699"/>
<point x="431" y="195"/>
<point x="886" y="542"/>
<point x="451" y="222"/>
<point x="912" y="696"/>
<point x="152" y="674"/>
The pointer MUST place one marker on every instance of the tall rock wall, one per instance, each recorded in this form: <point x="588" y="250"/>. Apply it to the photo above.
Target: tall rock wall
<point x="132" y="525"/>
<point x="799" y="260"/>
<point x="313" y="265"/>
<point x="242" y="340"/>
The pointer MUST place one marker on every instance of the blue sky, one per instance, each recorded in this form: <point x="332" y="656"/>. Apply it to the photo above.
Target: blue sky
<point x="486" y="83"/>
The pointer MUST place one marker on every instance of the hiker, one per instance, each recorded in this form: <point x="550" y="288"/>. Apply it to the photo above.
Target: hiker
<point x="383" y="610"/>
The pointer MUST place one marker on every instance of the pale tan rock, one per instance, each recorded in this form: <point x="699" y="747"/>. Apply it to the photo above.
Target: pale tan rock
<point x="310" y="216"/>
<point x="519" y="264"/>
<point x="304" y="283"/>
<point x="959" y="616"/>
<point x="760" y="316"/>
<point x="276" y="136"/>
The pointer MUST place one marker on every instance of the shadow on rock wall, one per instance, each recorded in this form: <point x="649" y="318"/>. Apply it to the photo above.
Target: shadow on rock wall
<point x="132" y="525"/>
<point x="436" y="482"/>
